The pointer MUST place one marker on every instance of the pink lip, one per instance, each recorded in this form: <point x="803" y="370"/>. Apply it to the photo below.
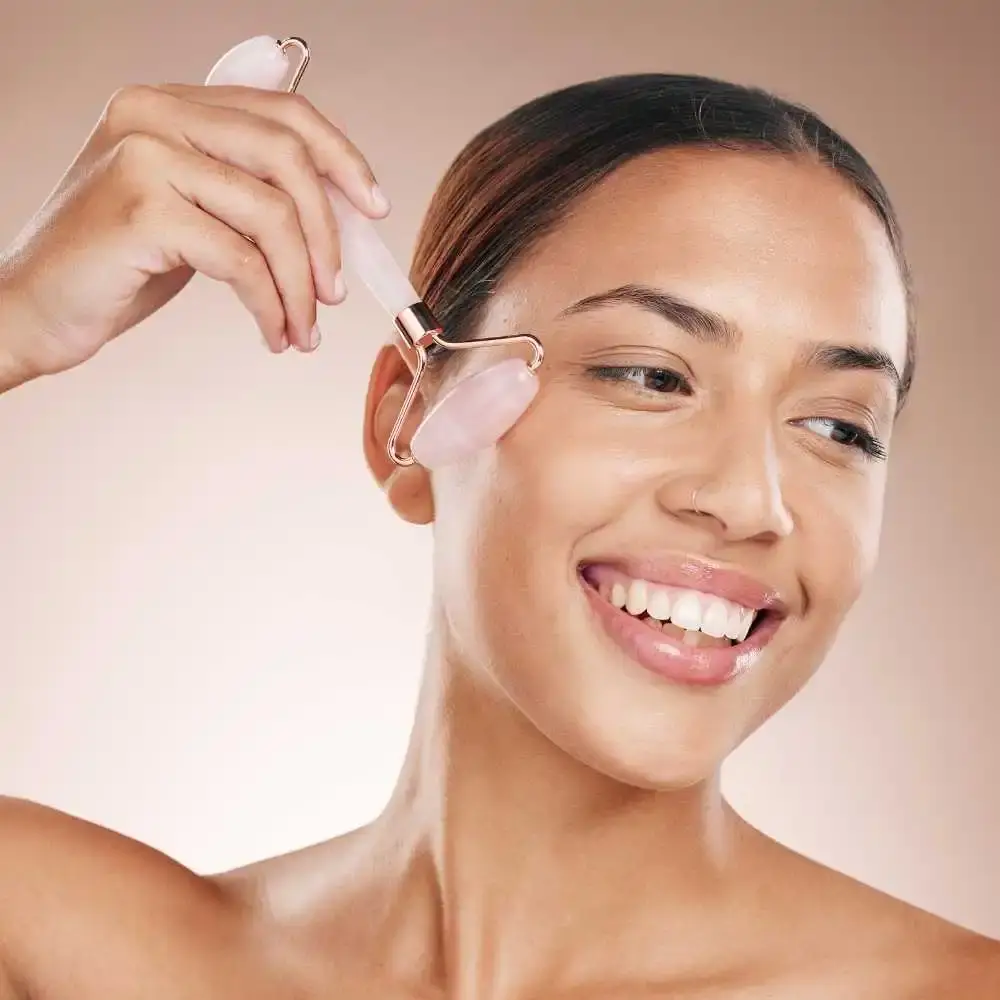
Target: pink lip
<point x="692" y="574"/>
<point x="672" y="659"/>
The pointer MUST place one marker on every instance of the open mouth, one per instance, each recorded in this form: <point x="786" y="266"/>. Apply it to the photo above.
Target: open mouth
<point x="688" y="635"/>
<point x="695" y="618"/>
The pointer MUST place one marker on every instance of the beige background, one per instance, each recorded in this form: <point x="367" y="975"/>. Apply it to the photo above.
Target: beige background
<point x="212" y="627"/>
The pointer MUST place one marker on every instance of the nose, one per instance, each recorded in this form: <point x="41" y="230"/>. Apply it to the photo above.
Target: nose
<point x="736" y="492"/>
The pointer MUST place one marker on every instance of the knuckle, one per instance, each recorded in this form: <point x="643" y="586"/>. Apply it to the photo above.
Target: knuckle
<point x="291" y="149"/>
<point x="127" y="104"/>
<point x="139" y="154"/>
<point x="249" y="264"/>
<point x="283" y="210"/>
<point x="228" y="174"/>
<point x="300" y="105"/>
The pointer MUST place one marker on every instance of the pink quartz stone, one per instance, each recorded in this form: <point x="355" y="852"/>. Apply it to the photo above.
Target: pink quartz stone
<point x="258" y="62"/>
<point x="475" y="414"/>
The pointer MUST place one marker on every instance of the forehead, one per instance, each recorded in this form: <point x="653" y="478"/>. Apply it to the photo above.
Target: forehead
<point x="777" y="244"/>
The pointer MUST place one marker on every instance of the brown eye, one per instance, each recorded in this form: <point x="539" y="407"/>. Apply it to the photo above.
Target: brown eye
<point x="847" y="435"/>
<point x="644" y="377"/>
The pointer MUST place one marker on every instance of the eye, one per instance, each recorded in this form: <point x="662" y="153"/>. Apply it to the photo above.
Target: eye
<point x="644" y="377"/>
<point x="847" y="435"/>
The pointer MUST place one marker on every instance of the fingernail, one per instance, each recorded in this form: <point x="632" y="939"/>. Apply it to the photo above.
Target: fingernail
<point x="284" y="341"/>
<point x="379" y="200"/>
<point x="339" y="287"/>
<point x="315" y="337"/>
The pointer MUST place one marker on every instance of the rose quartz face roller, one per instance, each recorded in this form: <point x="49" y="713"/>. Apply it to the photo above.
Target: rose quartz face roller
<point x="479" y="409"/>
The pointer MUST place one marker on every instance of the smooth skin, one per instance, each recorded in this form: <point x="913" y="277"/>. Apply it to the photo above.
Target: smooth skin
<point x="558" y="829"/>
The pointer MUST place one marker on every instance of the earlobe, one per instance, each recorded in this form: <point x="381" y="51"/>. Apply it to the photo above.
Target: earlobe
<point x="408" y="489"/>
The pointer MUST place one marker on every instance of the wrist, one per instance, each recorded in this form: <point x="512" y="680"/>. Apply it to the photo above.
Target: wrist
<point x="12" y="374"/>
<point x="14" y="366"/>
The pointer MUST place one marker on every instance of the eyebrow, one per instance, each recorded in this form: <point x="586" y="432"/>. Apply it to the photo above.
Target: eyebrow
<point x="702" y="324"/>
<point x="841" y="357"/>
<point x="709" y="327"/>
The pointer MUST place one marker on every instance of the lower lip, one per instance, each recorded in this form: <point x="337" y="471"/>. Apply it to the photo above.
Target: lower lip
<point x="672" y="659"/>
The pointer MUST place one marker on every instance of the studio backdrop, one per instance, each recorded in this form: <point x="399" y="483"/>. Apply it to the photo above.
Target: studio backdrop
<point x="210" y="623"/>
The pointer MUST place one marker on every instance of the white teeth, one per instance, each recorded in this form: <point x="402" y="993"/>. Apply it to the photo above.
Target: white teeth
<point x="658" y="604"/>
<point x="687" y="611"/>
<point x="745" y="623"/>
<point x="735" y="622"/>
<point x="695" y="612"/>
<point x="716" y="618"/>
<point x="740" y="620"/>
<point x="635" y="603"/>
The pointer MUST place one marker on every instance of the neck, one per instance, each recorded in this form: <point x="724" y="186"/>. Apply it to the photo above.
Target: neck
<point x="523" y="863"/>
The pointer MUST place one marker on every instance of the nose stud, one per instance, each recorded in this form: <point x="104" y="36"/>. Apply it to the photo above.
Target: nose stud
<point x="694" y="501"/>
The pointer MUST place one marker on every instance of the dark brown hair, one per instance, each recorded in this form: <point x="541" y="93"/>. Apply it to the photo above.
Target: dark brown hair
<point x="516" y="179"/>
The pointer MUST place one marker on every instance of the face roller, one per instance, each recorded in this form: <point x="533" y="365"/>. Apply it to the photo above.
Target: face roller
<point x="481" y="408"/>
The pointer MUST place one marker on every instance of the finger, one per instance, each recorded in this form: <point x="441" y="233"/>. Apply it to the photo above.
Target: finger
<point x="219" y="252"/>
<point x="256" y="145"/>
<point x="248" y="209"/>
<point x="335" y="156"/>
<point x="266" y="215"/>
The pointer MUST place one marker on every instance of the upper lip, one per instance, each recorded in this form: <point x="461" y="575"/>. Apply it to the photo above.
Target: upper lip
<point x="694" y="573"/>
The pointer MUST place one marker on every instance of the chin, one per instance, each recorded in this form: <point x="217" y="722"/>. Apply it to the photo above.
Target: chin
<point x="656" y="747"/>
<point x="625" y="724"/>
<point x="588" y="690"/>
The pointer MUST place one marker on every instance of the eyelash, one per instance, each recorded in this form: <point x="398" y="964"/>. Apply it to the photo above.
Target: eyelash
<point x="857" y="438"/>
<point x="634" y="373"/>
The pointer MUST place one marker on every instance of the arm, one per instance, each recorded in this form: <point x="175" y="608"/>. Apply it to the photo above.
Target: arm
<point x="13" y="329"/>
<point x="86" y="912"/>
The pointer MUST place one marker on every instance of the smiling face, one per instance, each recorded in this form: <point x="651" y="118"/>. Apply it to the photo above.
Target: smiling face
<point x="722" y="331"/>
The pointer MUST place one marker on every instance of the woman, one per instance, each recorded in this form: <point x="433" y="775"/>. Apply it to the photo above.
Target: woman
<point x="648" y="566"/>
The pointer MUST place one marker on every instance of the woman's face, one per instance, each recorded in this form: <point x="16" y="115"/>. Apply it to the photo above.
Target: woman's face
<point x="723" y="333"/>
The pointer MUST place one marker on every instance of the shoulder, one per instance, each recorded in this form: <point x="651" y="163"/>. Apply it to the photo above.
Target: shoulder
<point x="41" y="846"/>
<point x="957" y="963"/>
<point x="867" y="942"/>
<point x="75" y="893"/>
<point x="918" y="961"/>
<point x="913" y="954"/>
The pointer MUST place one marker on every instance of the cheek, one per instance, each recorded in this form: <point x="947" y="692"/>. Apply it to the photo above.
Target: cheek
<point x="519" y="504"/>
<point x="569" y="470"/>
<point x="839" y="533"/>
<point x="513" y="523"/>
<point x="508" y="523"/>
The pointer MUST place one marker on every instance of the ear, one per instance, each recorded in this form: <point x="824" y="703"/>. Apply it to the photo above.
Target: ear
<point x="408" y="489"/>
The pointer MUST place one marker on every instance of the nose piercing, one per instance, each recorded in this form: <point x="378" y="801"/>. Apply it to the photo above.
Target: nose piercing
<point x="694" y="501"/>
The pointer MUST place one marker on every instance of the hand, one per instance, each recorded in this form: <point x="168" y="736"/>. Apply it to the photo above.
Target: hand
<point x="228" y="181"/>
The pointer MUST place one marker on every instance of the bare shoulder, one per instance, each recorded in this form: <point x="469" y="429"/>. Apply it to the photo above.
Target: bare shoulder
<point x="77" y="899"/>
<point x="847" y="938"/>
<point x="969" y="967"/>
<point x="28" y="831"/>
<point x="894" y="949"/>
<point x="41" y="848"/>
<point x="945" y="959"/>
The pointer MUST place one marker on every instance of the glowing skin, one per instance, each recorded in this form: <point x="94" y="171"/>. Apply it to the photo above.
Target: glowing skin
<point x="601" y="470"/>
<point x="558" y="828"/>
<point x="551" y="771"/>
